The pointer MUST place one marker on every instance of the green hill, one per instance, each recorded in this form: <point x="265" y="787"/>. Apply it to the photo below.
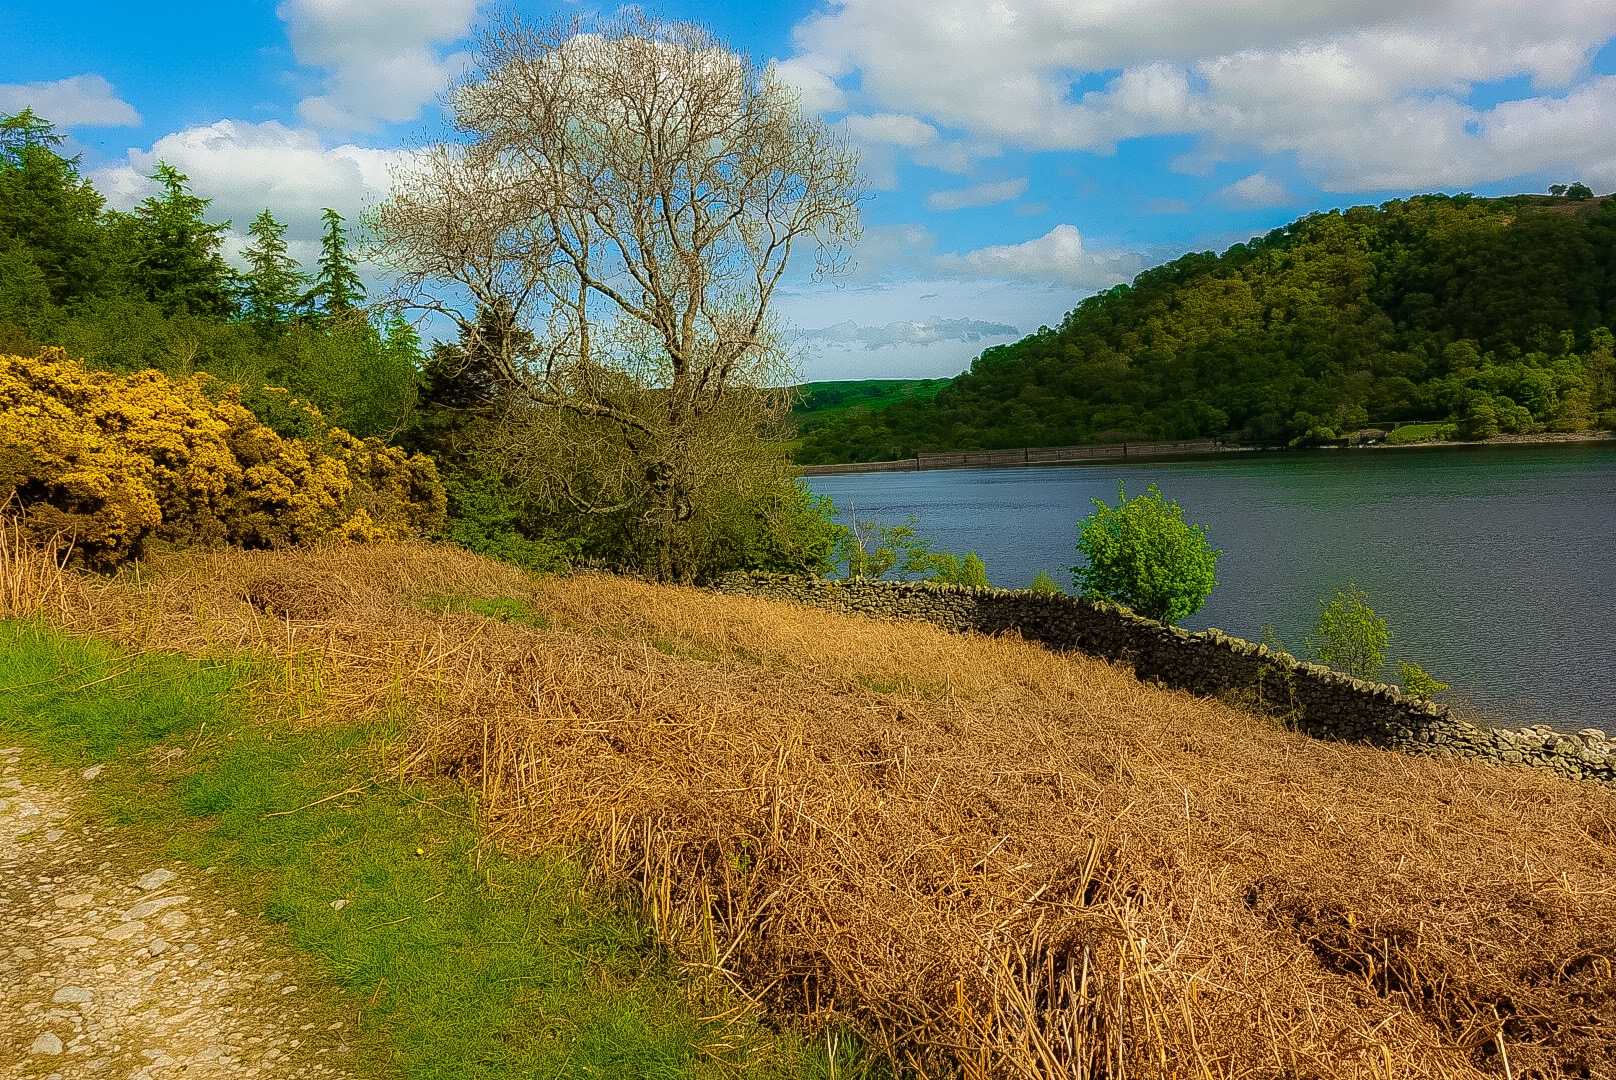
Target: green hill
<point x="821" y="399"/>
<point x="1492" y="314"/>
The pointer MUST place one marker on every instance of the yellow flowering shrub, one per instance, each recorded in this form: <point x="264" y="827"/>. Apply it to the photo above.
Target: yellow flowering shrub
<point x="109" y="461"/>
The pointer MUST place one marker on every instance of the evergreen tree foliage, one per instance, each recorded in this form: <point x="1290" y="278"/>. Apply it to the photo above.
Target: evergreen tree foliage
<point x="50" y="220"/>
<point x="179" y="264"/>
<point x="273" y="283"/>
<point x="337" y="291"/>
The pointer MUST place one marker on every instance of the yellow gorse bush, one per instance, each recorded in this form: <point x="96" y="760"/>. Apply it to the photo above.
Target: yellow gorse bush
<point x="109" y="462"/>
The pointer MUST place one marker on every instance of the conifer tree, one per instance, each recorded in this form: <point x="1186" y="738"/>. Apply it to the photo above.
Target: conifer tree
<point x="179" y="263"/>
<point x="337" y="291"/>
<point x="273" y="283"/>
<point x="50" y="216"/>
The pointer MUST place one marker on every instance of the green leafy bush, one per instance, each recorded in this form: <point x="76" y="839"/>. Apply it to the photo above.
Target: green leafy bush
<point x="1142" y="555"/>
<point x="1349" y="635"/>
<point x="1416" y="681"/>
<point x="872" y="549"/>
<point x="1044" y="583"/>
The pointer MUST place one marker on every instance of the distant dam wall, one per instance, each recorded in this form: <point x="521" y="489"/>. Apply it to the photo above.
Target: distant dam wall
<point x="1315" y="699"/>
<point x="1032" y="455"/>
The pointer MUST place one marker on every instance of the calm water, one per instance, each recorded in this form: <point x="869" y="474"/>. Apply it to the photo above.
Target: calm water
<point x="1493" y="565"/>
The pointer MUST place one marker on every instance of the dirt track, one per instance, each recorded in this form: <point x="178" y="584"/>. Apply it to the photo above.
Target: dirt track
<point x="110" y="967"/>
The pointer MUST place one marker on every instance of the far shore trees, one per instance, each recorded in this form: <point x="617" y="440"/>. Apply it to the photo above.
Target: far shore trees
<point x="606" y="227"/>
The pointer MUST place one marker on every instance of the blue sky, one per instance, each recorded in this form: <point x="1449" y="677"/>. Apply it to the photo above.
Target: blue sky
<point x="1021" y="153"/>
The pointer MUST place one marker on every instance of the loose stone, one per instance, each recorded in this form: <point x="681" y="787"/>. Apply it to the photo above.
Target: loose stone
<point x="155" y="880"/>
<point x="47" y="1043"/>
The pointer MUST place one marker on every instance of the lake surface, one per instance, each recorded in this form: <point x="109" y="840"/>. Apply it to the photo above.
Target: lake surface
<point x="1492" y="564"/>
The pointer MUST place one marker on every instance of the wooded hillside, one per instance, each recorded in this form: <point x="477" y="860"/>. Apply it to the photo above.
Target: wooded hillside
<point x="1491" y="313"/>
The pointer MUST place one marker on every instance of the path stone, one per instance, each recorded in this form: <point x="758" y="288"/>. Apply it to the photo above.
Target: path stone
<point x="92" y="772"/>
<point x="47" y="1043"/>
<point x="155" y="880"/>
<point x="87" y="990"/>
<point x="148" y="908"/>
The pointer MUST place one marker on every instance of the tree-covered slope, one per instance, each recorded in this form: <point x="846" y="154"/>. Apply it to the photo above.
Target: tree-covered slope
<point x="1491" y="313"/>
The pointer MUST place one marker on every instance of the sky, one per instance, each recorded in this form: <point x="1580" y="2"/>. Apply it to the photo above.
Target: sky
<point x="1020" y="154"/>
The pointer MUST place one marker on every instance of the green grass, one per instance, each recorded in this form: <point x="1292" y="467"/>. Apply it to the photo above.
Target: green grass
<point x="454" y="961"/>
<point x="1413" y="433"/>
<point x="503" y="608"/>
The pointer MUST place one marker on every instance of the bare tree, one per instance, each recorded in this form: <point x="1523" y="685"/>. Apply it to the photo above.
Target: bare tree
<point x="607" y="227"/>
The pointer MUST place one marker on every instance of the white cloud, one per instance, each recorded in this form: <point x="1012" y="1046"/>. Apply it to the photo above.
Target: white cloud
<point x="383" y="59"/>
<point x="245" y="167"/>
<point x="1057" y="257"/>
<point x="1256" y="190"/>
<point x="817" y="88"/>
<point x="878" y="135"/>
<point x="977" y="195"/>
<point x="894" y="129"/>
<point x="79" y="101"/>
<point x="919" y="332"/>
<point x="1357" y="94"/>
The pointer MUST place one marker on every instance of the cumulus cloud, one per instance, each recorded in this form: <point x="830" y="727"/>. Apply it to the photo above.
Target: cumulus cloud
<point x="1057" y="257"/>
<point x="977" y="195"/>
<point x="817" y="89"/>
<point x="245" y="167"/>
<point x="1256" y="190"/>
<point x="383" y="59"/>
<point x="1357" y="94"/>
<point x="79" y="101"/>
<point x="878" y="135"/>
<point x="929" y="332"/>
<point x="893" y="253"/>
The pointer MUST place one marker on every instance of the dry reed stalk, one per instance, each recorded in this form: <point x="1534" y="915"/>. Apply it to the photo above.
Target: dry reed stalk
<point x="993" y="860"/>
<point x="33" y="577"/>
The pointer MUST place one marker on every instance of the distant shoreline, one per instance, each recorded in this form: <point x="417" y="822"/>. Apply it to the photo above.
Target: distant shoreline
<point x="1145" y="451"/>
<point x="1542" y="437"/>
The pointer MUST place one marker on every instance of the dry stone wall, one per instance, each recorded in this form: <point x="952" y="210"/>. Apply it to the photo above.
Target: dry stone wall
<point x="1318" y="700"/>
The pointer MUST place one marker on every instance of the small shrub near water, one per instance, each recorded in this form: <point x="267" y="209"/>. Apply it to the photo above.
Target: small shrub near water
<point x="1044" y="582"/>
<point x="1349" y="635"/>
<point x="1142" y="555"/>
<point x="1417" y="681"/>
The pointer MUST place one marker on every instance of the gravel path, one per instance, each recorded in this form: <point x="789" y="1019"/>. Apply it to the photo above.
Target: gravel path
<point x="113" y="968"/>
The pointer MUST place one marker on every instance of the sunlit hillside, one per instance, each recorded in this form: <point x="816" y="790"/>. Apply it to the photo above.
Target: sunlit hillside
<point x="984" y="856"/>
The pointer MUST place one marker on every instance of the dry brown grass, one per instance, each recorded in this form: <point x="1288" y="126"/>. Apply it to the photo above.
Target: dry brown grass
<point x="994" y="860"/>
<point x="32" y="579"/>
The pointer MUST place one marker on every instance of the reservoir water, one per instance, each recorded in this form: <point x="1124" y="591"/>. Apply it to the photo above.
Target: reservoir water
<point x="1492" y="564"/>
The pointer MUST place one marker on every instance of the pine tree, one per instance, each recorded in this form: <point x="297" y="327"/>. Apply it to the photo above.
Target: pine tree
<point x="50" y="216"/>
<point x="179" y="263"/>
<point x="273" y="284"/>
<point x="337" y="291"/>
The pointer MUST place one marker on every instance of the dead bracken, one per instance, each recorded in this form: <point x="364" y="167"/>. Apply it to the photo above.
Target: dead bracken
<point x="991" y="859"/>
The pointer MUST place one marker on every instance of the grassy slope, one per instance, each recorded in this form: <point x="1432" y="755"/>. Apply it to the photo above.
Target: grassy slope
<point x="976" y="851"/>
<point x="459" y="962"/>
